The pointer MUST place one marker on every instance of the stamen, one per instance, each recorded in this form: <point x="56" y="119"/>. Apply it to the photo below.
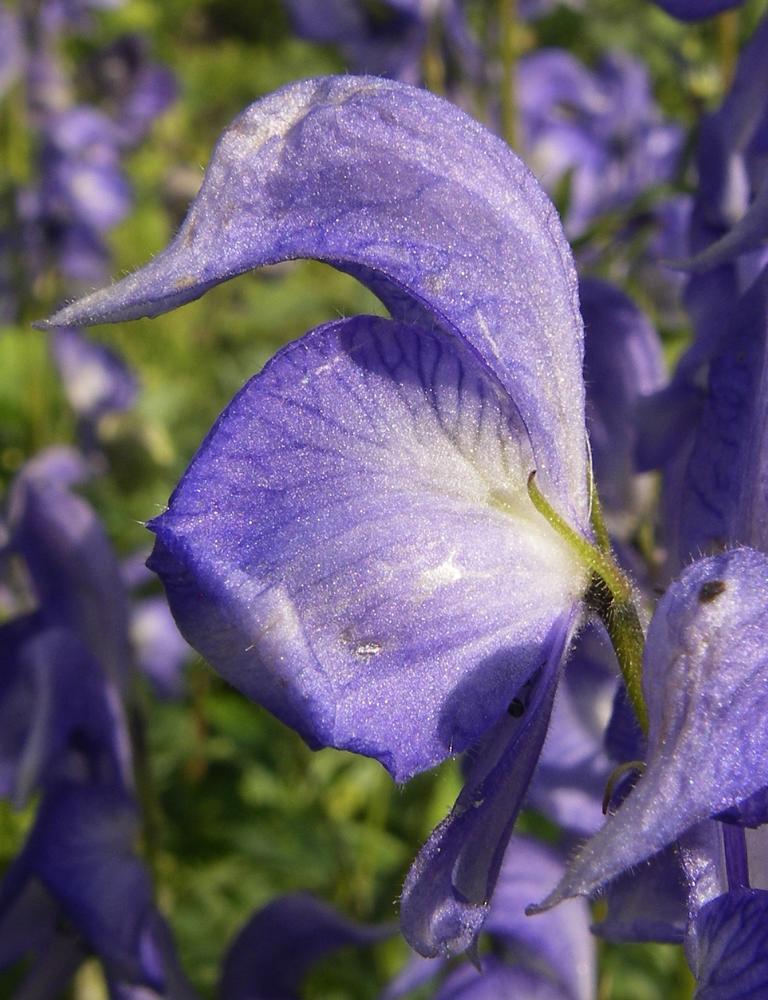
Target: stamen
<point x="615" y="777"/>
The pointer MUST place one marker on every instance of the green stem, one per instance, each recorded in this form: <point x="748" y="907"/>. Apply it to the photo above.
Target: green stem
<point x="508" y="50"/>
<point x="596" y="517"/>
<point x="433" y="65"/>
<point x="609" y="595"/>
<point x="728" y="45"/>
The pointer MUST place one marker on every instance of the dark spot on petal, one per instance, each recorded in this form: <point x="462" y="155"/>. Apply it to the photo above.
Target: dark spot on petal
<point x="710" y="590"/>
<point x="516" y="708"/>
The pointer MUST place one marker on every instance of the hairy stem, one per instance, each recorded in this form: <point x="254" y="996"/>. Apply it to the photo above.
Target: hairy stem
<point x="610" y="595"/>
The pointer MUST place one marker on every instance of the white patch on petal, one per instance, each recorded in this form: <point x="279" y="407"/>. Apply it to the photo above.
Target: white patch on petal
<point x="447" y="572"/>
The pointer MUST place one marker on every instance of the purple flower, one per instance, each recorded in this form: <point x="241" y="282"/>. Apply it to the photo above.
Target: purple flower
<point x="731" y="210"/>
<point x="78" y="191"/>
<point x="390" y="38"/>
<point x="74" y="573"/>
<point x="705" y="682"/>
<point x="623" y="365"/>
<point x="356" y="533"/>
<point x="96" y="380"/>
<point x="599" y="130"/>
<point x="78" y="886"/>
<point x="134" y="89"/>
<point x="551" y="957"/>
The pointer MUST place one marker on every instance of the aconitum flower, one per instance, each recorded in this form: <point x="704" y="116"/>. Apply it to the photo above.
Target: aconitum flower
<point x="78" y="885"/>
<point x="356" y="535"/>
<point x="391" y="37"/>
<point x="730" y="216"/>
<point x="552" y="958"/>
<point x="77" y="190"/>
<point x="705" y="683"/>
<point x="598" y="129"/>
<point x="96" y="381"/>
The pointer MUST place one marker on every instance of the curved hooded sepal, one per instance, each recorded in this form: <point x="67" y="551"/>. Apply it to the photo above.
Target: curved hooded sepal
<point x="408" y="193"/>
<point x="727" y="946"/>
<point x="355" y="536"/>
<point x="448" y="890"/>
<point x="706" y="686"/>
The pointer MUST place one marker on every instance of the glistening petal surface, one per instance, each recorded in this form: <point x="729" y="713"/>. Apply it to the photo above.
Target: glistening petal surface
<point x="355" y="538"/>
<point x="706" y="686"/>
<point x="415" y="198"/>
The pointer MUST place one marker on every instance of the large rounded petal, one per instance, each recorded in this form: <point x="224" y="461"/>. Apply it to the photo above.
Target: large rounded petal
<point x="416" y="199"/>
<point x="354" y="546"/>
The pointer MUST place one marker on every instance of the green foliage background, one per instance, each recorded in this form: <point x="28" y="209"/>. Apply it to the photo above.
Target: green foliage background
<point x="238" y="810"/>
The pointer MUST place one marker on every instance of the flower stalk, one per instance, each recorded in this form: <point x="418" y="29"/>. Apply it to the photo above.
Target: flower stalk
<point x="609" y="595"/>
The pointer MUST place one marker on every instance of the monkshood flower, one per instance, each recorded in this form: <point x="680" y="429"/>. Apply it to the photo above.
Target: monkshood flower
<point x="705" y="679"/>
<point x="82" y="194"/>
<point x="600" y="129"/>
<point x="731" y="208"/>
<point x="79" y="191"/>
<point x="59" y="717"/>
<point x="78" y="887"/>
<point x="391" y="38"/>
<point x="551" y="957"/>
<point x="73" y="571"/>
<point x="96" y="381"/>
<point x="360" y="532"/>
<point x="702" y="426"/>
<point x="623" y="365"/>
<point x="135" y="90"/>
